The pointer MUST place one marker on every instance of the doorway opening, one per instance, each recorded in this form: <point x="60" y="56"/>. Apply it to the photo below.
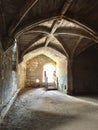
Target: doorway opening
<point x="48" y="72"/>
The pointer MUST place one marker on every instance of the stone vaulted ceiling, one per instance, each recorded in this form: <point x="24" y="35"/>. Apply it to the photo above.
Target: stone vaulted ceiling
<point x="68" y="26"/>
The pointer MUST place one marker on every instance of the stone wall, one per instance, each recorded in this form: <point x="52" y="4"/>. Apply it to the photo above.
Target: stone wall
<point x="1" y="54"/>
<point x="21" y="75"/>
<point x="34" y="70"/>
<point x="8" y="81"/>
<point x="61" y="68"/>
<point x="8" y="76"/>
<point x="85" y="72"/>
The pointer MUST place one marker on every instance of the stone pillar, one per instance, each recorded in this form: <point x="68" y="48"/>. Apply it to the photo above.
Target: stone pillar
<point x="70" y="90"/>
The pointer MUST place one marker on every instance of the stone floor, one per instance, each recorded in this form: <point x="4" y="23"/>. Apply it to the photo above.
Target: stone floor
<point x="37" y="109"/>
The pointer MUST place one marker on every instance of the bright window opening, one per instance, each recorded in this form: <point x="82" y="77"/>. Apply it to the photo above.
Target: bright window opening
<point x="49" y="70"/>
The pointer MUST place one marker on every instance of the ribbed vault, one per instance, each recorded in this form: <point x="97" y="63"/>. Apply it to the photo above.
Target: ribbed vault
<point x="59" y="24"/>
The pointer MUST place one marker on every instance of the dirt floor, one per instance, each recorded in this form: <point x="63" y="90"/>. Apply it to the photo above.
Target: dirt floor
<point x="37" y="109"/>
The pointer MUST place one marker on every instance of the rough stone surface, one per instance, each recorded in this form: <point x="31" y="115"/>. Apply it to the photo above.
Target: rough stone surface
<point x="34" y="69"/>
<point x="8" y="80"/>
<point x="37" y="109"/>
<point x="62" y="74"/>
<point x="8" y="76"/>
<point x="1" y="54"/>
<point x="21" y="75"/>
